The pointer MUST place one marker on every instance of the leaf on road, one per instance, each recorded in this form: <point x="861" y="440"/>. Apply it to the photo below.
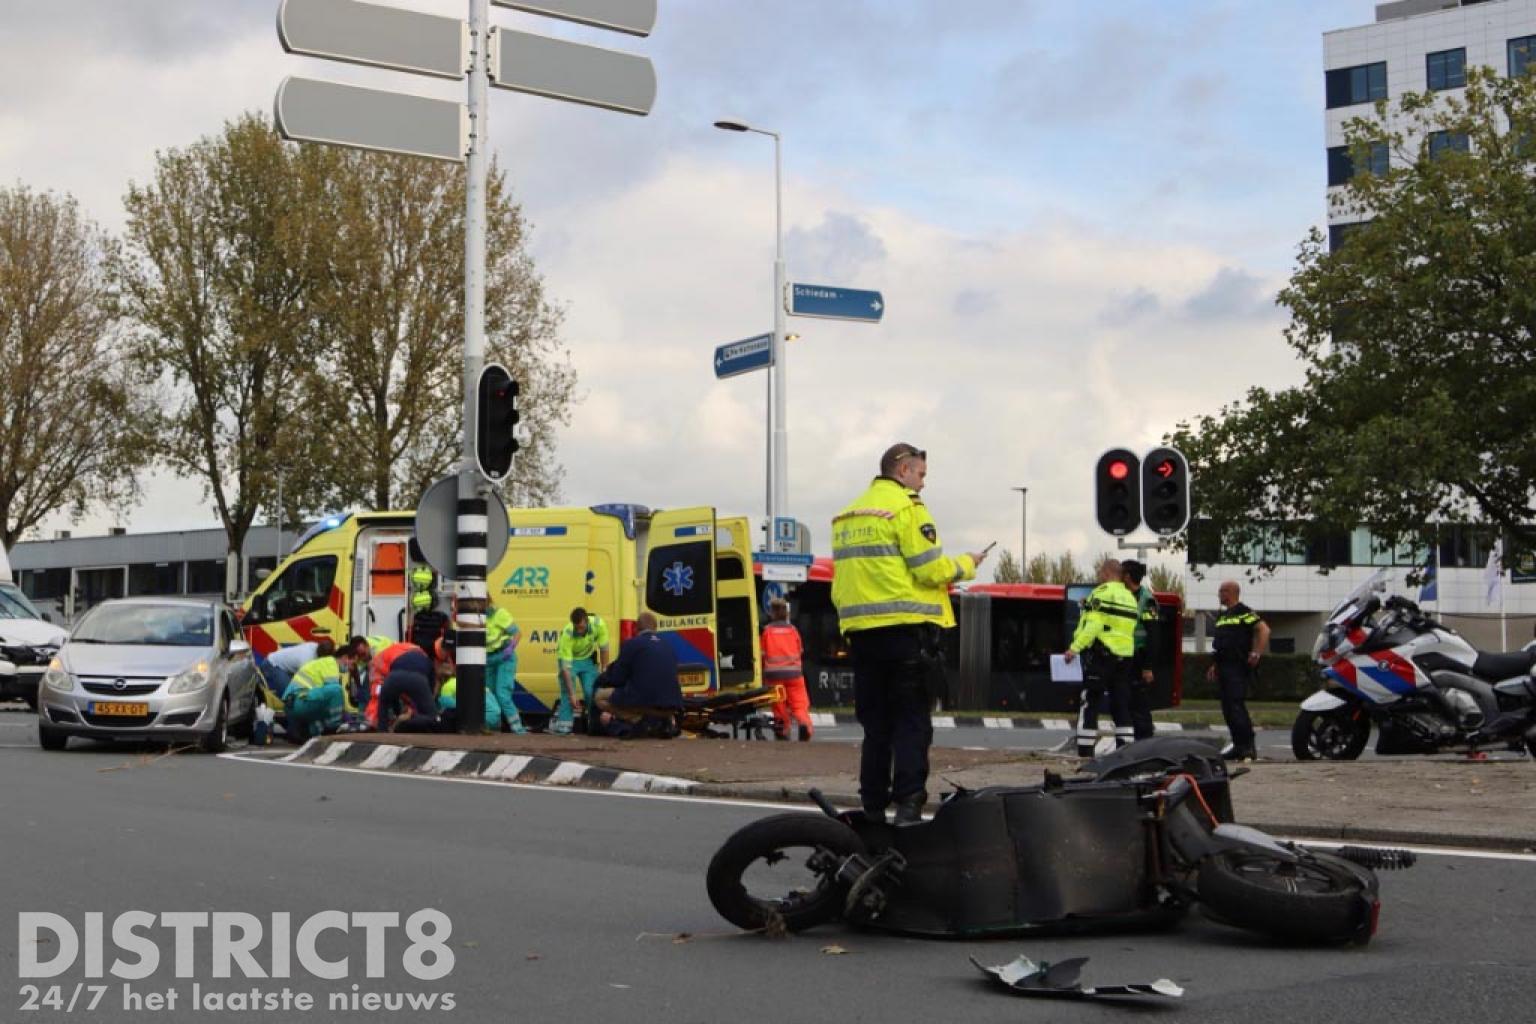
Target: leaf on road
<point x="681" y="937"/>
<point x="534" y="956"/>
<point x="833" y="950"/>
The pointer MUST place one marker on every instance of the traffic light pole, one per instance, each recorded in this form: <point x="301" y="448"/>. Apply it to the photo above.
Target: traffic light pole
<point x="469" y="582"/>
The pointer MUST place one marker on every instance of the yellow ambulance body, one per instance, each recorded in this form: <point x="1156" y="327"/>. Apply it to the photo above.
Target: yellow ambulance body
<point x="348" y="575"/>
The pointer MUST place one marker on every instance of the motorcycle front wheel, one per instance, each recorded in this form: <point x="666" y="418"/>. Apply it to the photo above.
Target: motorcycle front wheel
<point x="1320" y="898"/>
<point x="780" y="869"/>
<point x="1337" y="735"/>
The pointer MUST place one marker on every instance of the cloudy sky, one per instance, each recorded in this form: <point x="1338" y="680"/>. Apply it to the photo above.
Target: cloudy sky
<point x="1078" y="211"/>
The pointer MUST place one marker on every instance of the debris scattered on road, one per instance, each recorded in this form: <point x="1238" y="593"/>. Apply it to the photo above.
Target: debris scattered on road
<point x="833" y="950"/>
<point x="1060" y="981"/>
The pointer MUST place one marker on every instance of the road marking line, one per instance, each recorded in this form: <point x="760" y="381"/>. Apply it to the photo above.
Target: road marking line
<point x="1057" y="724"/>
<point x="779" y="805"/>
<point x="943" y="721"/>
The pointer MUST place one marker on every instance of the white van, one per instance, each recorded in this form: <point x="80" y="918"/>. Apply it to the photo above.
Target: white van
<point x="27" y="640"/>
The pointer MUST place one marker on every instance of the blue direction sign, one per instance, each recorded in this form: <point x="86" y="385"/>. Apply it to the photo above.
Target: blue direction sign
<point x="835" y="303"/>
<point x="781" y="558"/>
<point x="744" y="356"/>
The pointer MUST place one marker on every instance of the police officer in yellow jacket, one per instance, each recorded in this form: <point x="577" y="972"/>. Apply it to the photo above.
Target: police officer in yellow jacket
<point x="891" y="590"/>
<point x="1106" y="638"/>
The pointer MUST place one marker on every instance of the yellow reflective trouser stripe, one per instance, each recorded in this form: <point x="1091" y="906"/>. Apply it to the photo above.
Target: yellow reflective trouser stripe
<point x="931" y="555"/>
<point x="867" y="551"/>
<point x="854" y="611"/>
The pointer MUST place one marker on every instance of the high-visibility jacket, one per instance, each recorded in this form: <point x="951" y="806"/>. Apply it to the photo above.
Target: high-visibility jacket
<point x="422" y="578"/>
<point x="500" y="628"/>
<point x="890" y="568"/>
<point x="377" y="644"/>
<point x="782" y="651"/>
<point x="317" y="673"/>
<point x="578" y="648"/>
<point x="1109" y="618"/>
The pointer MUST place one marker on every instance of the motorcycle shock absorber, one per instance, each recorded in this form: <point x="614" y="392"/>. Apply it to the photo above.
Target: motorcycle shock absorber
<point x="1378" y="859"/>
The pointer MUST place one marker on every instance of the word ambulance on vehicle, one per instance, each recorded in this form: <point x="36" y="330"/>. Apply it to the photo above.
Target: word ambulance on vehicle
<point x="348" y="575"/>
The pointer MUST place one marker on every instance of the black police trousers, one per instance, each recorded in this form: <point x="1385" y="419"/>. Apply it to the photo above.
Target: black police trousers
<point x="892" y="668"/>
<point x="1232" y="681"/>
<point x="1141" y="697"/>
<point x="1104" y="674"/>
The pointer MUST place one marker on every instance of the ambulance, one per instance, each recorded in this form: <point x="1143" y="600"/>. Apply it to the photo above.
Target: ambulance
<point x="349" y="575"/>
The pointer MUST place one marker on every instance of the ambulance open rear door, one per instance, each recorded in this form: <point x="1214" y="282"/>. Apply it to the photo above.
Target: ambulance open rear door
<point x="680" y="590"/>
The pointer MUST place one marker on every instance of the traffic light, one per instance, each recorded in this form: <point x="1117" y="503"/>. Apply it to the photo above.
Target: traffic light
<point x="495" y="421"/>
<point x="1117" y="500"/>
<point x="1165" y="491"/>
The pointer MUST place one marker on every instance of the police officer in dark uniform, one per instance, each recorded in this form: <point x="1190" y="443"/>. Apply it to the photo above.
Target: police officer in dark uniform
<point x="1148" y="636"/>
<point x="1241" y="637"/>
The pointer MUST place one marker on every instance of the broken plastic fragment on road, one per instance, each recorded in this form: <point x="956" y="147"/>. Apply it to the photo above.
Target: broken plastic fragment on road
<point x="1060" y="980"/>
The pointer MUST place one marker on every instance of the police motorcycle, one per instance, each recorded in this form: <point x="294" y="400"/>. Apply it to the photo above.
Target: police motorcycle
<point x="1422" y="685"/>
<point x="1133" y="843"/>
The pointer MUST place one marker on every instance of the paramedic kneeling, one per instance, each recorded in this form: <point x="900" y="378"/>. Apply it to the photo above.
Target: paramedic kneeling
<point x="640" y="694"/>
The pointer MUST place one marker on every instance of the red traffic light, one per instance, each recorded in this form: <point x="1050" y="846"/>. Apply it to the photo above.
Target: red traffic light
<point x="1119" y="470"/>
<point x="1165" y="469"/>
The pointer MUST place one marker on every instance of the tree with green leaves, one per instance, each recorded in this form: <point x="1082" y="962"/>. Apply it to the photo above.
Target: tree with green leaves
<point x="392" y="305"/>
<point x="1416" y="334"/>
<point x="218" y="271"/>
<point x="71" y="409"/>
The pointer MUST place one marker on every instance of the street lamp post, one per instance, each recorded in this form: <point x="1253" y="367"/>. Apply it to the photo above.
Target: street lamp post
<point x="1023" y="528"/>
<point x="778" y="436"/>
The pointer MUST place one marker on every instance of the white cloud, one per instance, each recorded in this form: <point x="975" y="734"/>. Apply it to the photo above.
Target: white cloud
<point x="1014" y="348"/>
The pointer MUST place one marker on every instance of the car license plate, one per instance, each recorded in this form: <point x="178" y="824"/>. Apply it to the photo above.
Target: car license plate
<point x="693" y="678"/>
<point x="115" y="707"/>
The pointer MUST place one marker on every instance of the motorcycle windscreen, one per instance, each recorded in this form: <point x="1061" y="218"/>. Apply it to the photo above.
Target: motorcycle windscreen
<point x="680" y="590"/>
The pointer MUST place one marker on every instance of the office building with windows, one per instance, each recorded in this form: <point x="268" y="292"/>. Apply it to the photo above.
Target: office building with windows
<point x="1412" y="46"/>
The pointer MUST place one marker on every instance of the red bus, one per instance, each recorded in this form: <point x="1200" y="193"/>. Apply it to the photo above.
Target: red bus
<point x="999" y="656"/>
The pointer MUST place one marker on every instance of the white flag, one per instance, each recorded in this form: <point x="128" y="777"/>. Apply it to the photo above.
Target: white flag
<point x="1493" y="572"/>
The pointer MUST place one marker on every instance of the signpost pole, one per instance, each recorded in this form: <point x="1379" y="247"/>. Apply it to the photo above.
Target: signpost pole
<point x="779" y="489"/>
<point x="469" y="619"/>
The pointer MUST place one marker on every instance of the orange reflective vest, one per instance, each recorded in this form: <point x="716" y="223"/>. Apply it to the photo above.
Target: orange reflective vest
<point x="781" y="653"/>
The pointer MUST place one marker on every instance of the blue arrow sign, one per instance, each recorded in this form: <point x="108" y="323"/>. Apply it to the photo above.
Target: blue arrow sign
<point x="835" y="303"/>
<point x="744" y="356"/>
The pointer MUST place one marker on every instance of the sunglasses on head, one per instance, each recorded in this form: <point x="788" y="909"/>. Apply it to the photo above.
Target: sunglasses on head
<point x="916" y="453"/>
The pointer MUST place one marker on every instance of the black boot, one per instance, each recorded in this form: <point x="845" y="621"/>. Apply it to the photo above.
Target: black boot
<point x="910" y="810"/>
<point x="875" y="813"/>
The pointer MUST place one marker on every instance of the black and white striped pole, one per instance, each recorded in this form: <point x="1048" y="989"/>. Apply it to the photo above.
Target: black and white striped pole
<point x="469" y="618"/>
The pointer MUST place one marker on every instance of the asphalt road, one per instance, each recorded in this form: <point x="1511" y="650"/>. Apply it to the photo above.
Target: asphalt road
<point x="566" y="906"/>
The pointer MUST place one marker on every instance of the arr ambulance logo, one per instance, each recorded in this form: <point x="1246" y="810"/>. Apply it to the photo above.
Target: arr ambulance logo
<point x="529" y="581"/>
<point x="677" y="579"/>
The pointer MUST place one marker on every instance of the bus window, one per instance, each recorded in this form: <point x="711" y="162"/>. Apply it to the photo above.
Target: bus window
<point x="303" y="587"/>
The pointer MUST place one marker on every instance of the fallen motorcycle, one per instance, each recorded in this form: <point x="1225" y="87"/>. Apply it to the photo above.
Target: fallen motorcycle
<point x="1143" y="835"/>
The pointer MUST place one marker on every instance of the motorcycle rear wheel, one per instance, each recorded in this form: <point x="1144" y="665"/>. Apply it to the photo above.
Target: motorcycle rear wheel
<point x="1335" y="735"/>
<point x="771" y="841"/>
<point x="1321" y="898"/>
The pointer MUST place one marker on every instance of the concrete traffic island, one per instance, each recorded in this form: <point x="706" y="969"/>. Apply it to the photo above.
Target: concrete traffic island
<point x="1430" y="801"/>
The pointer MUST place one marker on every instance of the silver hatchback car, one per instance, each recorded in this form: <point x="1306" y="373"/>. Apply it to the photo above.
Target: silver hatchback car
<point x="150" y="668"/>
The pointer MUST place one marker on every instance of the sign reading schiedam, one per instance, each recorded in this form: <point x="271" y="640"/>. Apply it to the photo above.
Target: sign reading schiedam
<point x="829" y="303"/>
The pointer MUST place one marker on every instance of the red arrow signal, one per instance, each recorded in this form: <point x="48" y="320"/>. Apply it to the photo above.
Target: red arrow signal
<point x="1165" y="469"/>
